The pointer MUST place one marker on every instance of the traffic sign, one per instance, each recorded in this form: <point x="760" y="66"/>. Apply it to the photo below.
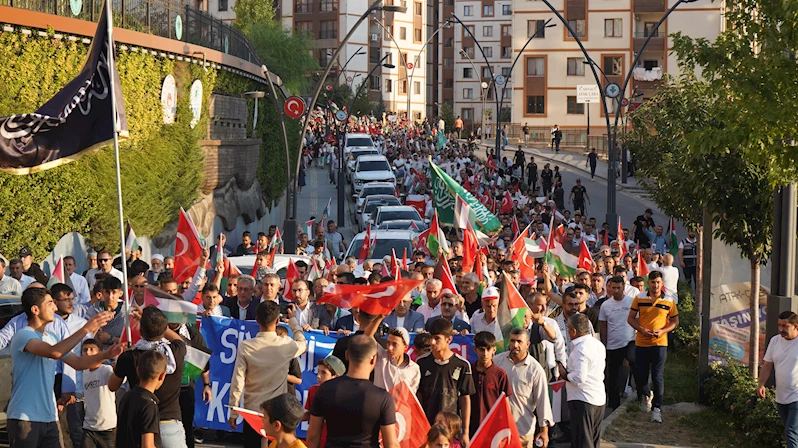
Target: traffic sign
<point x="328" y="87"/>
<point x="588" y="93"/>
<point x="612" y="90"/>
<point x="349" y="79"/>
<point x="500" y="80"/>
<point x="340" y="115"/>
<point x="294" y="107"/>
<point x="625" y="102"/>
<point x="410" y="66"/>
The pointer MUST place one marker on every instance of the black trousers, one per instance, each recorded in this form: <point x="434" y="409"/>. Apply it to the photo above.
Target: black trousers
<point x="99" y="439"/>
<point x="25" y="434"/>
<point x="251" y="438"/>
<point x="617" y="373"/>
<point x="585" y="424"/>
<point x="186" y="400"/>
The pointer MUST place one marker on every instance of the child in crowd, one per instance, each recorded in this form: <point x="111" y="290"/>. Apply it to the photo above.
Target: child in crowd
<point x="281" y="416"/>
<point x="99" y="422"/>
<point x="421" y="345"/>
<point x="439" y="436"/>
<point x="327" y="369"/>
<point x="138" y="411"/>
<point x="294" y="371"/>
<point x="451" y="421"/>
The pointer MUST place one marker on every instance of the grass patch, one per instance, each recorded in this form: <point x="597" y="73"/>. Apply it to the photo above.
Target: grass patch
<point x="681" y="378"/>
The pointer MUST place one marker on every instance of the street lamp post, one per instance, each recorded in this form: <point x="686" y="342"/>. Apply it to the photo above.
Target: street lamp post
<point x="484" y="85"/>
<point x="612" y="136"/>
<point x="376" y="6"/>
<point x="446" y="24"/>
<point x="360" y="89"/>
<point x="352" y="83"/>
<point x="359" y="52"/>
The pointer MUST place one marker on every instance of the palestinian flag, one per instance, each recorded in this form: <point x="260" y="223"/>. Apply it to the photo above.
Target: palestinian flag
<point x="556" y="256"/>
<point x="445" y="192"/>
<point x="326" y="213"/>
<point x="59" y="274"/>
<point x="309" y="228"/>
<point x="512" y="309"/>
<point x="194" y="362"/>
<point x="276" y="242"/>
<point x="131" y="243"/>
<point x="673" y="244"/>
<point x="436" y="239"/>
<point x="178" y="311"/>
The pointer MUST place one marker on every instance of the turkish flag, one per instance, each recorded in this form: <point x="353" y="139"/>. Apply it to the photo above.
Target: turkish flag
<point x="421" y="243"/>
<point x="404" y="259"/>
<point x="188" y="249"/>
<point x="411" y="422"/>
<point x="470" y="248"/>
<point x="515" y="227"/>
<point x="585" y="260"/>
<point x="559" y="233"/>
<point x="443" y="274"/>
<point x="519" y="245"/>
<point x="621" y="240"/>
<point x="365" y="249"/>
<point x="498" y="429"/>
<point x="491" y="164"/>
<point x="253" y="419"/>
<point x="507" y="204"/>
<point x="527" y="267"/>
<point x="135" y="333"/>
<point x="291" y="275"/>
<point x="379" y="299"/>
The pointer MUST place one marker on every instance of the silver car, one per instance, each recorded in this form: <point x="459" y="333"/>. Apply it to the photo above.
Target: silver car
<point x="371" y="204"/>
<point x="373" y="188"/>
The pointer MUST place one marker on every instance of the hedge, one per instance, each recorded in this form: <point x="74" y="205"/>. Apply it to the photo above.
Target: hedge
<point x="161" y="165"/>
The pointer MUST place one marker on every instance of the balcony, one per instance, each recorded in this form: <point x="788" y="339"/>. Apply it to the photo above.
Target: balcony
<point x="656" y="43"/>
<point x="649" y="6"/>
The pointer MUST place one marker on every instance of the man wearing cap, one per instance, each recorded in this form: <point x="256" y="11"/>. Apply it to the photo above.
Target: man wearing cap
<point x="8" y="284"/>
<point x="642" y="226"/>
<point x="30" y="268"/>
<point x="485" y="319"/>
<point x="393" y="364"/>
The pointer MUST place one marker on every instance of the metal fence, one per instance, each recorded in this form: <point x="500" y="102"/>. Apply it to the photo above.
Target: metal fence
<point x="570" y="137"/>
<point x="171" y="19"/>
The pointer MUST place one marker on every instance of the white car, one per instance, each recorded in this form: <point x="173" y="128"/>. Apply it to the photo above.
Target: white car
<point x="372" y="189"/>
<point x="357" y="140"/>
<point x="371" y="204"/>
<point x="245" y="263"/>
<point x="354" y="156"/>
<point x="371" y="169"/>
<point x="384" y="241"/>
<point x="393" y="213"/>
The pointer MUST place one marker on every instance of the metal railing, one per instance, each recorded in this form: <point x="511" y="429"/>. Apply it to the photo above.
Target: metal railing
<point x="157" y="17"/>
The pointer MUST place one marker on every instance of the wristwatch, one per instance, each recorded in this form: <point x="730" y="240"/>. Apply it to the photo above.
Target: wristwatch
<point x="207" y="385"/>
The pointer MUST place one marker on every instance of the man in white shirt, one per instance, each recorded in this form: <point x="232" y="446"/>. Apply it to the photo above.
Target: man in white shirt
<point x="104" y="261"/>
<point x="8" y="285"/>
<point x="301" y="292"/>
<point x="555" y="347"/>
<point x="585" y="383"/>
<point x="485" y="319"/>
<point x="530" y="396"/>
<point x="782" y="355"/>
<point x="15" y="268"/>
<point x="432" y="306"/>
<point x="79" y="284"/>
<point x="619" y="339"/>
<point x="670" y="276"/>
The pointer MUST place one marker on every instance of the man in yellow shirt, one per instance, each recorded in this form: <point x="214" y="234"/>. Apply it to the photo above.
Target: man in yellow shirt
<point x="653" y="316"/>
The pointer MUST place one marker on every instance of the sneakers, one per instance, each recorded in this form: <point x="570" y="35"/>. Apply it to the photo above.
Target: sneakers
<point x="656" y="415"/>
<point x="645" y="403"/>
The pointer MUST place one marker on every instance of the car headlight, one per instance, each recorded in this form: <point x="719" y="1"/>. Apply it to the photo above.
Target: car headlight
<point x="358" y="182"/>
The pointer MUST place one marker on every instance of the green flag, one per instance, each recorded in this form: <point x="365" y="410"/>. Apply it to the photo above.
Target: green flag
<point x="445" y="192"/>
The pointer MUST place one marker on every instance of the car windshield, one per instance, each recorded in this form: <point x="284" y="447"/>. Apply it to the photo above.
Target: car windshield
<point x="366" y="152"/>
<point x="368" y="191"/>
<point x="379" y="203"/>
<point x="399" y="214"/>
<point x="359" y="141"/>
<point x="403" y="225"/>
<point x="382" y="247"/>
<point x="373" y="165"/>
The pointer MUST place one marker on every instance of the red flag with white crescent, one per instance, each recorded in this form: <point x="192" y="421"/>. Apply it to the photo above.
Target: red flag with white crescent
<point x="498" y="429"/>
<point x="188" y="249"/>
<point x="379" y="299"/>
<point x="622" y="251"/>
<point x="411" y="422"/>
<point x="585" y="260"/>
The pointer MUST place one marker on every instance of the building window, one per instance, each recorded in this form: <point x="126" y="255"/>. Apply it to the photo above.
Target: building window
<point x="613" y="66"/>
<point x="374" y="82"/>
<point x="648" y="28"/>
<point x="489" y="96"/>
<point x="325" y="56"/>
<point x="507" y="93"/>
<point x="448" y="83"/>
<point x="578" y="26"/>
<point x="299" y="6"/>
<point x="374" y="55"/>
<point x="469" y="51"/>
<point x="468" y="10"/>
<point x="405" y="59"/>
<point x="329" y="5"/>
<point x="507" y="51"/>
<point x="305" y="26"/>
<point x="535" y="105"/>
<point x="574" y="107"/>
<point x="506" y="72"/>
<point x="388" y="32"/>
<point x="535" y="67"/>
<point x="468" y="73"/>
<point x="389" y="59"/>
<point x="388" y="86"/>
<point x="403" y="87"/>
<point x="328" y="29"/>
<point x="486" y="73"/>
<point x="470" y="31"/>
<point x="507" y="30"/>
<point x="417" y="35"/>
<point x="487" y="31"/>
<point x="467" y="113"/>
<point x="613" y="27"/>
<point x="487" y="10"/>
<point x="650" y="65"/>
<point x="416" y="88"/>
<point x="448" y="63"/>
<point x="417" y="8"/>
<point x="576" y="67"/>
<point x="417" y="115"/>
<point x="402" y="33"/>
<point x="448" y="42"/>
<point x="222" y="5"/>
<point x="488" y="52"/>
<point x="468" y="94"/>
<point x="534" y="25"/>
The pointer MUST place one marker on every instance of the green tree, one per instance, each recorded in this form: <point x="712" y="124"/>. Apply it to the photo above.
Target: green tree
<point x="252" y="12"/>
<point x="737" y="190"/>
<point x="447" y="113"/>
<point x="288" y="54"/>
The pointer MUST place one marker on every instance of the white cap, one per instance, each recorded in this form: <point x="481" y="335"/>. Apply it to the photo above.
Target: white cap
<point x="491" y="292"/>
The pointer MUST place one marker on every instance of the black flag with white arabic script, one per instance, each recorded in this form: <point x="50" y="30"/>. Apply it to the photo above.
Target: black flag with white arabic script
<point x="78" y="119"/>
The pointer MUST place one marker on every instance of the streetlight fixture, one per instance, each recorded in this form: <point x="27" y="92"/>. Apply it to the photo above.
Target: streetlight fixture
<point x="484" y="85"/>
<point x="376" y="6"/>
<point x="446" y="24"/>
<point x="353" y="80"/>
<point x="255" y="95"/>
<point x="359" y="52"/>
<point x="612" y="132"/>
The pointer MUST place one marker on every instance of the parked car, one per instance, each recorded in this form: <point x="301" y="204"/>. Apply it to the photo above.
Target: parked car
<point x="370" y="204"/>
<point x="373" y="188"/>
<point x="10" y="306"/>
<point x="384" y="242"/>
<point x="371" y="169"/>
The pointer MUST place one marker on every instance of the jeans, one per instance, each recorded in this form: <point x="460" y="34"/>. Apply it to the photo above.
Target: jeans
<point x="617" y="373"/>
<point x="172" y="434"/>
<point x="187" y="413"/>
<point x="651" y="360"/>
<point x="74" y="414"/>
<point x="789" y="415"/>
<point x="25" y="434"/>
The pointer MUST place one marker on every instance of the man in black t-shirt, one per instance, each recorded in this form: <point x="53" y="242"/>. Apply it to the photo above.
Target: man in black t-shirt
<point x="641" y="225"/>
<point x="154" y="328"/>
<point x="138" y="422"/>
<point x="579" y="194"/>
<point x="446" y="381"/>
<point x="532" y="174"/>
<point x="592" y="160"/>
<point x="356" y="411"/>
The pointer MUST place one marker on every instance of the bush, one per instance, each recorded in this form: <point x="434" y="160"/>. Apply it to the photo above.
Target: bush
<point x="731" y="389"/>
<point x="688" y="333"/>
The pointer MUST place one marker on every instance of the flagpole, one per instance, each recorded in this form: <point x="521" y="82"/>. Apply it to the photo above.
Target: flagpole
<point x="112" y="90"/>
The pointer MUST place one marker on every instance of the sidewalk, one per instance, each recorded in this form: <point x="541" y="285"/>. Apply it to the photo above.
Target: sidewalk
<point x="314" y="196"/>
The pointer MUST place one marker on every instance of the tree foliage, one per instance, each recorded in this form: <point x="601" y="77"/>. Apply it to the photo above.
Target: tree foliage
<point x="447" y="113"/>
<point x="251" y="12"/>
<point x="290" y="55"/>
